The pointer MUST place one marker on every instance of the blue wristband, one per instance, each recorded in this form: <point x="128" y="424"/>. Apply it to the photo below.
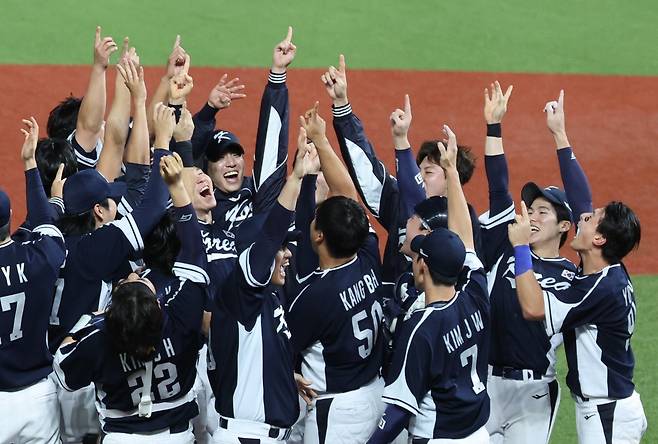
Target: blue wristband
<point x="522" y="259"/>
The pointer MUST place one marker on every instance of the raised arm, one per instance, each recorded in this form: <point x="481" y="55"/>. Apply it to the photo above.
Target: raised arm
<point x="575" y="182"/>
<point x="527" y="288"/>
<point x="92" y="109"/>
<point x="377" y="188"/>
<point x="335" y="173"/>
<point x="38" y="210"/>
<point x="459" y="218"/>
<point x="412" y="191"/>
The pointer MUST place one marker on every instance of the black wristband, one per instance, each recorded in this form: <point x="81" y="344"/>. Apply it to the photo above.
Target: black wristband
<point x="184" y="150"/>
<point x="494" y="130"/>
<point x="177" y="111"/>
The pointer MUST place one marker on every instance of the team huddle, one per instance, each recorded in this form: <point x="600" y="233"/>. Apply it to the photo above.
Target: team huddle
<point x="157" y="293"/>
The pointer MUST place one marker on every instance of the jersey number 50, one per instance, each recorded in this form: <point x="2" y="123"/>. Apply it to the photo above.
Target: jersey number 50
<point x="367" y="334"/>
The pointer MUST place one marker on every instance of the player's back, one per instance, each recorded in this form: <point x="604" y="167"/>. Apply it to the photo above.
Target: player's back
<point x="335" y="323"/>
<point x="29" y="271"/>
<point x="443" y="374"/>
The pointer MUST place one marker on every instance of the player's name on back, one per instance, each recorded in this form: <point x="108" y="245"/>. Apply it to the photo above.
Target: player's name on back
<point x="130" y="364"/>
<point x="357" y="292"/>
<point x="20" y="273"/>
<point x="454" y="338"/>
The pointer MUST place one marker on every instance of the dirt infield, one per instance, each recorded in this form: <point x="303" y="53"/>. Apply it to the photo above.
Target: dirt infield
<point x="612" y="123"/>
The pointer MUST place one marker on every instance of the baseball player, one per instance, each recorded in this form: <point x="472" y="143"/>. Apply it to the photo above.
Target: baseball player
<point x="250" y="359"/>
<point x="438" y="375"/>
<point x="80" y="121"/>
<point x="98" y="252"/>
<point x="522" y="387"/>
<point x="390" y="200"/>
<point x="597" y="314"/>
<point x="141" y="353"/>
<point x="28" y="398"/>
<point x="237" y="196"/>
<point x="335" y="317"/>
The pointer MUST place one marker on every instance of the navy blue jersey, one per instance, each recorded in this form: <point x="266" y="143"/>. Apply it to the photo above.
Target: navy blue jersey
<point x="516" y="342"/>
<point x="29" y="271"/>
<point x="257" y="193"/>
<point x="335" y="322"/>
<point x="439" y="367"/>
<point x="221" y="254"/>
<point x="378" y="189"/>
<point x="85" y="159"/>
<point x="136" y="177"/>
<point x="96" y="259"/>
<point x="250" y="357"/>
<point x="119" y="377"/>
<point x="597" y="318"/>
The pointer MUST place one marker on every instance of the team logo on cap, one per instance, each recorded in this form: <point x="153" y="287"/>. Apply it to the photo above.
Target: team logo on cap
<point x="221" y="135"/>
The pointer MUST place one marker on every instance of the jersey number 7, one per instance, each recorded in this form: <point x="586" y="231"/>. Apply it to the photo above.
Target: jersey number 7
<point x="472" y="352"/>
<point x="5" y="303"/>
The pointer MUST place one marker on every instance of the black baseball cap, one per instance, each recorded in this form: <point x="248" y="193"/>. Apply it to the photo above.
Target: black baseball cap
<point x="443" y="252"/>
<point x="86" y="188"/>
<point x="221" y="142"/>
<point x="553" y="194"/>
<point x="5" y="208"/>
<point x="433" y="212"/>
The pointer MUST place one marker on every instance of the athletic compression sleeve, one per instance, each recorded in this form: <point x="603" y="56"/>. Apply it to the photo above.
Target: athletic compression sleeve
<point x="498" y="179"/>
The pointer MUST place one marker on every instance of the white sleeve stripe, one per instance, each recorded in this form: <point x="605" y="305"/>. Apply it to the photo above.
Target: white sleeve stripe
<point x="85" y="160"/>
<point x="400" y="403"/>
<point x="277" y="78"/>
<point x="487" y="222"/>
<point x="341" y="111"/>
<point x="246" y="269"/>
<point x="59" y="372"/>
<point x="124" y="207"/>
<point x="271" y="148"/>
<point x="128" y="227"/>
<point x="472" y="261"/>
<point x="548" y="314"/>
<point x="298" y="296"/>
<point x="191" y="272"/>
<point x="49" y="230"/>
<point x="57" y="201"/>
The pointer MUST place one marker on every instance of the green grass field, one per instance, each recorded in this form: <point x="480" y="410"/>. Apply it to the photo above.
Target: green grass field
<point x="604" y="37"/>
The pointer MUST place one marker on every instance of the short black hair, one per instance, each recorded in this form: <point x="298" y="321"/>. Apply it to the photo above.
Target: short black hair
<point x="465" y="158"/>
<point x="436" y="278"/>
<point x="161" y="245"/>
<point x="343" y="223"/>
<point x="80" y="224"/>
<point x="4" y="231"/>
<point x="134" y="320"/>
<point x="50" y="153"/>
<point x="621" y="229"/>
<point x="63" y="118"/>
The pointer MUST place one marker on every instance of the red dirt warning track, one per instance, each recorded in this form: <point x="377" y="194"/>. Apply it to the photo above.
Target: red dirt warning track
<point x="612" y="124"/>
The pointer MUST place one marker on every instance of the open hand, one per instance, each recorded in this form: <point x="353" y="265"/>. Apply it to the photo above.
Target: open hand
<point x="133" y="76"/>
<point x="495" y="105"/>
<point x="222" y="95"/>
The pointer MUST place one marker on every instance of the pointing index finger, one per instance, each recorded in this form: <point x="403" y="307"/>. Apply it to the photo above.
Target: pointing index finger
<point x="98" y="35"/>
<point x="560" y="99"/>
<point x="289" y="36"/>
<point x="524" y="212"/>
<point x="341" y="63"/>
<point x="176" y="42"/>
<point x="407" y="104"/>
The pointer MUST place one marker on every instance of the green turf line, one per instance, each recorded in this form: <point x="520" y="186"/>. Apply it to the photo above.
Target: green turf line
<point x="577" y="36"/>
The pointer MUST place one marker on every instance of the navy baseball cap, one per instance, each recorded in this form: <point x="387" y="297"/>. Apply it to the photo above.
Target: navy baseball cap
<point x="221" y="142"/>
<point x="554" y="195"/>
<point x="433" y="212"/>
<point x="86" y="188"/>
<point x="443" y="252"/>
<point x="5" y="209"/>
